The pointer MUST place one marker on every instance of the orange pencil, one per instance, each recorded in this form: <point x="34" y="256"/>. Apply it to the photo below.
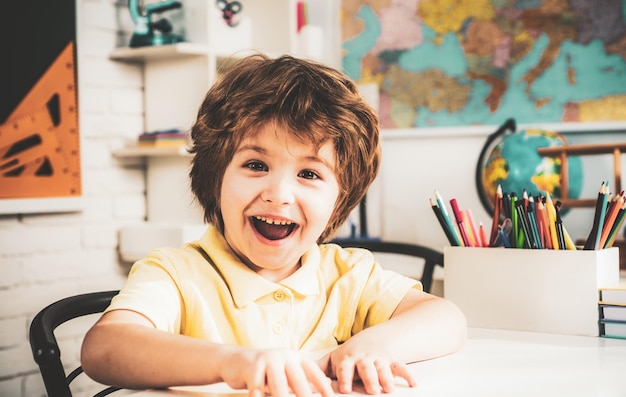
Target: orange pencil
<point x="611" y="215"/>
<point x="617" y="225"/>
<point x="540" y="213"/>
<point x="483" y="235"/>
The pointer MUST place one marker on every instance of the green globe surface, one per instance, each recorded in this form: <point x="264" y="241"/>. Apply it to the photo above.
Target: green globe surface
<point x="515" y="164"/>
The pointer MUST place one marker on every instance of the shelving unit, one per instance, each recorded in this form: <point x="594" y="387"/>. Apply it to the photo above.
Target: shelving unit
<point x="176" y="78"/>
<point x="139" y="151"/>
<point x="562" y="152"/>
<point x="172" y="216"/>
<point x="156" y="53"/>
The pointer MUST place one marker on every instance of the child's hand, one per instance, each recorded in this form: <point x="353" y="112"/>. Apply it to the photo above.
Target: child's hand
<point x="375" y="372"/>
<point x="277" y="372"/>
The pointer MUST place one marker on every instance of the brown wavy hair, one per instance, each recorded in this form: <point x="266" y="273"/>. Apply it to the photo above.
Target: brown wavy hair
<point x="313" y="101"/>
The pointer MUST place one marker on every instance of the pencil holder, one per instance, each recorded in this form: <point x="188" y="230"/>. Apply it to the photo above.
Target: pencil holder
<point x="554" y="291"/>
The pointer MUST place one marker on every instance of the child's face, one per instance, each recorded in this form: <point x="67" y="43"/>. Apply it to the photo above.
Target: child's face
<point x="277" y="197"/>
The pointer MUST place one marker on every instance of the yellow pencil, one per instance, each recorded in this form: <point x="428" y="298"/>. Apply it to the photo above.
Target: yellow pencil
<point x="552" y="222"/>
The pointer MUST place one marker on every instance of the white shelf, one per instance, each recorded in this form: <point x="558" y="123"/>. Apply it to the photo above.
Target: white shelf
<point x="40" y="205"/>
<point x="153" y="53"/>
<point x="139" y="151"/>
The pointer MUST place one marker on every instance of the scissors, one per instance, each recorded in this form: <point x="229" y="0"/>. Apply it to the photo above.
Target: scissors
<point x="503" y="234"/>
<point x="229" y="10"/>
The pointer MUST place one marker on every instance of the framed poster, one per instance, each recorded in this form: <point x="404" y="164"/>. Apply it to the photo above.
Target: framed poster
<point x="445" y="63"/>
<point x="39" y="131"/>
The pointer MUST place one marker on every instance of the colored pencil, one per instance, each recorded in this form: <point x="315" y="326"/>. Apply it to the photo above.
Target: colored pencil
<point x="559" y="229"/>
<point x="515" y="226"/>
<point x="552" y="222"/>
<point x="614" y="206"/>
<point x="444" y="225"/>
<point x="542" y="215"/>
<point x="525" y="199"/>
<point x="569" y="243"/>
<point x="567" y="240"/>
<point x="472" y="227"/>
<point x="483" y="235"/>
<point x="444" y="212"/>
<point x="593" y="240"/>
<point x="506" y="205"/>
<point x="523" y="221"/>
<point x="459" y="221"/>
<point x="496" y="216"/>
<point x="532" y="221"/>
<point x="619" y="221"/>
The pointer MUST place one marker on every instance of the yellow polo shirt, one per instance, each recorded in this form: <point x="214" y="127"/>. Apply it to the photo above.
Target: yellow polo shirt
<point x="203" y="290"/>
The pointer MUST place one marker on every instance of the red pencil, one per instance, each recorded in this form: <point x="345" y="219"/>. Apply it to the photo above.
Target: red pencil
<point x="459" y="221"/>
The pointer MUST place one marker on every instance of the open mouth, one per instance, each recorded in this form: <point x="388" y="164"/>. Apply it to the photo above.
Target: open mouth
<point x="273" y="229"/>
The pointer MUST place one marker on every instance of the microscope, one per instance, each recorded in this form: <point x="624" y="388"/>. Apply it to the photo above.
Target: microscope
<point x="148" y="32"/>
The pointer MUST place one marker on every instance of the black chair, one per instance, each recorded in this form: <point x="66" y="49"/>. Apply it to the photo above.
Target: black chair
<point x="431" y="256"/>
<point x="44" y="344"/>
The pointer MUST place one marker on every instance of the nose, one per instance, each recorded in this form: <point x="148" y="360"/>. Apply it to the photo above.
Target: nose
<point x="279" y="190"/>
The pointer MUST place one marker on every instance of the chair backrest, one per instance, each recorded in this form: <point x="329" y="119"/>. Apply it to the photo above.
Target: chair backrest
<point x="431" y="257"/>
<point x="44" y="344"/>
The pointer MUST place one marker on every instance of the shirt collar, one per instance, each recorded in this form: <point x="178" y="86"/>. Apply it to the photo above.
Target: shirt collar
<point x="245" y="285"/>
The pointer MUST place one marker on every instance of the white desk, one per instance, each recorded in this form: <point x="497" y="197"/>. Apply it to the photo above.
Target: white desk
<point x="497" y="363"/>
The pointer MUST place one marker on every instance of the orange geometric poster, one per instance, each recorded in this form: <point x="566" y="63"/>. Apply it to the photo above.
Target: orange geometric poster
<point x="39" y="139"/>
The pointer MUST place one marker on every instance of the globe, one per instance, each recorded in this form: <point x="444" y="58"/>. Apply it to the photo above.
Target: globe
<point x="513" y="163"/>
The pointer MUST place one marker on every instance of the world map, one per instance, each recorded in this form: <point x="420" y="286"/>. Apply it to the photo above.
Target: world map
<point x="471" y="62"/>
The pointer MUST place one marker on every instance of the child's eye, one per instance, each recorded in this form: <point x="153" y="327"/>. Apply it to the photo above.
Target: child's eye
<point x="308" y="174"/>
<point x="256" y="166"/>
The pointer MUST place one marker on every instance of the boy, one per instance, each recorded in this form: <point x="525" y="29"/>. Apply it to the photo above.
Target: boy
<point x="283" y="150"/>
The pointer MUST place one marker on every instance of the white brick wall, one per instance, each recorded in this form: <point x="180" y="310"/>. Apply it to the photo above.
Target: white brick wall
<point x="44" y="257"/>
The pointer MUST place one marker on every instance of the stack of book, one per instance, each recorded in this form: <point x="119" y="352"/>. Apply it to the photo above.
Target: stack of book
<point x="164" y="138"/>
<point x="612" y="308"/>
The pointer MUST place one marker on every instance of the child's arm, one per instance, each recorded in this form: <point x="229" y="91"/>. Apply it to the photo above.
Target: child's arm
<point x="422" y="327"/>
<point x="124" y="349"/>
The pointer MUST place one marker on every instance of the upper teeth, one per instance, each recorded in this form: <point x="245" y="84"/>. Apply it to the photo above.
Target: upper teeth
<point x="273" y="221"/>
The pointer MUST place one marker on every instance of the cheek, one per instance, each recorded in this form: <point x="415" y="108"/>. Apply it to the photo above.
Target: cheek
<point x="229" y="194"/>
<point x="330" y="200"/>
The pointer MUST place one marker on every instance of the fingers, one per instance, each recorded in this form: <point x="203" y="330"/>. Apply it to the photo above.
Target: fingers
<point x="256" y="382"/>
<point x="281" y="373"/>
<point x="402" y="371"/>
<point x="278" y="379"/>
<point x="377" y="375"/>
<point x="345" y="374"/>
<point x="373" y="374"/>
<point x="317" y="379"/>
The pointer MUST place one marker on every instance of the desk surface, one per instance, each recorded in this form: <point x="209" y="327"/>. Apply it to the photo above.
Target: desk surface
<point x="500" y="363"/>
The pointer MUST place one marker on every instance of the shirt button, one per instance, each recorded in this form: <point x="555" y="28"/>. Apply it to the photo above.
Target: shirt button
<point x="279" y="295"/>
<point x="277" y="328"/>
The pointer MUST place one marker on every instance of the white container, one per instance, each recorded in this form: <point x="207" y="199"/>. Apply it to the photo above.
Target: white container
<point x="554" y="291"/>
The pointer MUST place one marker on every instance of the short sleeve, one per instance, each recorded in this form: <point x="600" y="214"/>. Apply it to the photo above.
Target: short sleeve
<point x="151" y="290"/>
